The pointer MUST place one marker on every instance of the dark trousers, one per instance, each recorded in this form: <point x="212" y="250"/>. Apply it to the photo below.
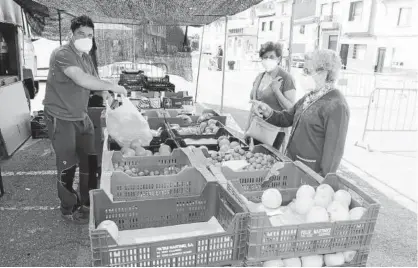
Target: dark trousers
<point x="73" y="143"/>
<point x="219" y="62"/>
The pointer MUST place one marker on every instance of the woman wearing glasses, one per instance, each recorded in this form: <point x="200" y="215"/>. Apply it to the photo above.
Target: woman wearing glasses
<point x="274" y="86"/>
<point x="319" y="120"/>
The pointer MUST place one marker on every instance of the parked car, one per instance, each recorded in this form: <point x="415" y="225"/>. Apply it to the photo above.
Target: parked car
<point x="298" y="61"/>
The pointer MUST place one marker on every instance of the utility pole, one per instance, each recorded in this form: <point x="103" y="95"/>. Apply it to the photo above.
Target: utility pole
<point x="224" y="63"/>
<point x="289" y="59"/>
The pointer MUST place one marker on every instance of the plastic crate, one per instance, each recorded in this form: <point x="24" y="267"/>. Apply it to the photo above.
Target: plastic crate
<point x="181" y="139"/>
<point x="255" y="176"/>
<point x="157" y="121"/>
<point x="39" y="129"/>
<point x="267" y="242"/>
<point x="360" y="260"/>
<point x="154" y="146"/>
<point x="219" y="249"/>
<point x="178" y="157"/>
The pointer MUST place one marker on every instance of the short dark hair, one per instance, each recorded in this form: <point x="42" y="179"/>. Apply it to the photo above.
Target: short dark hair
<point x="80" y="22"/>
<point x="270" y="46"/>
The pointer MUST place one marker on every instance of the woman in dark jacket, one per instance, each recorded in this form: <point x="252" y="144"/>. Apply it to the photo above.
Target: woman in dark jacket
<point x="319" y="120"/>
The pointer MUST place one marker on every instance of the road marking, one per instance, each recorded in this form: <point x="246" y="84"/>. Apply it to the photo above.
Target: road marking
<point x="29" y="173"/>
<point x="29" y="208"/>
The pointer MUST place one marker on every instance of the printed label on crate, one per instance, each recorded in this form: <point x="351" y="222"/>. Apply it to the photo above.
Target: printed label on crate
<point x="314" y="232"/>
<point x="174" y="250"/>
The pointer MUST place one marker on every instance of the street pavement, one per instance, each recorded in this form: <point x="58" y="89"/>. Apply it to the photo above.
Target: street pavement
<point x="33" y="234"/>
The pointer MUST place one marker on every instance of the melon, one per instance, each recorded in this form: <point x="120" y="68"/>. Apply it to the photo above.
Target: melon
<point x="274" y="263"/>
<point x="337" y="212"/>
<point x="234" y="144"/>
<point x="271" y="198"/>
<point x="292" y="262"/>
<point x="224" y="142"/>
<point x="322" y="199"/>
<point x="276" y="220"/>
<point x="356" y="213"/>
<point x="129" y="152"/>
<point x="349" y="255"/>
<point x="343" y="197"/>
<point x="317" y="214"/>
<point x="305" y="191"/>
<point x="334" y="259"/>
<point x="312" y="261"/>
<point x="303" y="204"/>
<point x="139" y="151"/>
<point x="111" y="227"/>
<point x="325" y="189"/>
<point x="136" y="143"/>
<point x="224" y="148"/>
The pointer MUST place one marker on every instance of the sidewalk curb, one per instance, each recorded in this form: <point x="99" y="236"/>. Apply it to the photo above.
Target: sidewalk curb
<point x="388" y="191"/>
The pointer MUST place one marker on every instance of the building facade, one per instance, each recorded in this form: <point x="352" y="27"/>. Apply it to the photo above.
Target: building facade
<point x="274" y="22"/>
<point x="305" y="27"/>
<point x="371" y="35"/>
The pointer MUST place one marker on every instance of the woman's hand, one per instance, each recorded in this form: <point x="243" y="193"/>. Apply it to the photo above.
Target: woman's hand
<point x="261" y="109"/>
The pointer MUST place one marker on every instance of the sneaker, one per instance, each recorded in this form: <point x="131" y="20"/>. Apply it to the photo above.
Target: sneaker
<point x="80" y="216"/>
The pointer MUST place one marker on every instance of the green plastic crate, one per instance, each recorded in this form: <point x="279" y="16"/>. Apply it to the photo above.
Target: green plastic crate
<point x="220" y="249"/>
<point x="267" y="242"/>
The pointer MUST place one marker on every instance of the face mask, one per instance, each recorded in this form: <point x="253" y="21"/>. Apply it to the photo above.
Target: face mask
<point x="308" y="83"/>
<point x="269" y="64"/>
<point x="83" y="44"/>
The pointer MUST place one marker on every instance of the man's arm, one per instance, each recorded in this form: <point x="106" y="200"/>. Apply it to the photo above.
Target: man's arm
<point x="87" y="81"/>
<point x="66" y="61"/>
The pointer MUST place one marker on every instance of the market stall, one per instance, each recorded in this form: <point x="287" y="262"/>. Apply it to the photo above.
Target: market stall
<point x="298" y="219"/>
<point x="180" y="187"/>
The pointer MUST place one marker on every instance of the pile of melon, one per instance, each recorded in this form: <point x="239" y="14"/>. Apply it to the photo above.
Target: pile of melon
<point x="329" y="260"/>
<point x="136" y="149"/>
<point x="138" y="172"/>
<point x="233" y="151"/>
<point x="310" y="206"/>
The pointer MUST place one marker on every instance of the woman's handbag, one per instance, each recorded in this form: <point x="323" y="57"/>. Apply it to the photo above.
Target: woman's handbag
<point x="263" y="131"/>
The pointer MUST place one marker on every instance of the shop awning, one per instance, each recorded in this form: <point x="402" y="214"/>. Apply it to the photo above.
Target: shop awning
<point x="44" y="14"/>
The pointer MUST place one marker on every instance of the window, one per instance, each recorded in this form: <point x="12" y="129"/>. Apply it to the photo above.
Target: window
<point x="302" y="29"/>
<point x="404" y="18"/>
<point x="263" y="26"/>
<point x="332" y="42"/>
<point x="323" y="9"/>
<point x="281" y="30"/>
<point x="335" y="9"/>
<point x="271" y="25"/>
<point x="359" y="52"/>
<point x="356" y="9"/>
<point x="282" y="8"/>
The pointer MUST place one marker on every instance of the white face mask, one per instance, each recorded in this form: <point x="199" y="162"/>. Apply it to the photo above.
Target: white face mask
<point x="308" y="83"/>
<point x="269" y="64"/>
<point x="83" y="44"/>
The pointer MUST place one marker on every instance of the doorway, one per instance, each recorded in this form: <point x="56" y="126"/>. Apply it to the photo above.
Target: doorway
<point x="344" y="55"/>
<point x="332" y="42"/>
<point x="381" y="53"/>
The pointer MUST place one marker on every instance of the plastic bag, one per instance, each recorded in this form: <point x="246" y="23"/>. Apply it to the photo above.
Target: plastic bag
<point x="125" y="124"/>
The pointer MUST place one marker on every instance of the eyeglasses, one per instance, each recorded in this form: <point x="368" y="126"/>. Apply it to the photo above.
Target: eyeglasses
<point x="306" y="71"/>
<point x="271" y="57"/>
